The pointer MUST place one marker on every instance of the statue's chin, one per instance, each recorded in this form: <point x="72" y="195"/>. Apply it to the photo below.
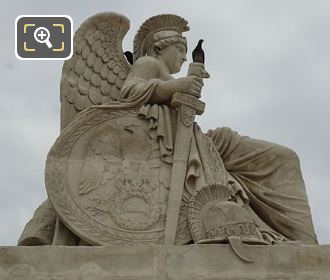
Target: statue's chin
<point x="175" y="71"/>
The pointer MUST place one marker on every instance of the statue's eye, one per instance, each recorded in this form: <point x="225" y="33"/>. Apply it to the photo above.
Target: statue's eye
<point x="181" y="49"/>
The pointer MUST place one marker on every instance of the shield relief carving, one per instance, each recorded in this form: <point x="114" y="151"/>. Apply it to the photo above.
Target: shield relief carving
<point x="102" y="178"/>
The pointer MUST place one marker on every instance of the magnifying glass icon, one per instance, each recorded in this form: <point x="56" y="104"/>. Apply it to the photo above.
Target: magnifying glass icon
<point x="41" y="35"/>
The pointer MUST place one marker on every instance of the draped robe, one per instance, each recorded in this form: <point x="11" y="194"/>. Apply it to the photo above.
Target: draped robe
<point x="267" y="175"/>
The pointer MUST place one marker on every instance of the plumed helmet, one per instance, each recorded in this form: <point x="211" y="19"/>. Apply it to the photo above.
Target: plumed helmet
<point x="214" y="218"/>
<point x="155" y="30"/>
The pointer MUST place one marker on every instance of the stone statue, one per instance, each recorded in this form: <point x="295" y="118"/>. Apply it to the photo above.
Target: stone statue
<point x="132" y="167"/>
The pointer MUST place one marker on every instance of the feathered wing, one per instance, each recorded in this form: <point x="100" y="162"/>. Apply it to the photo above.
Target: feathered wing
<point x="98" y="68"/>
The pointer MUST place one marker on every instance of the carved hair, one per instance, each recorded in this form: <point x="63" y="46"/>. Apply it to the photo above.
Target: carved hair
<point x="161" y="44"/>
<point x="159" y="32"/>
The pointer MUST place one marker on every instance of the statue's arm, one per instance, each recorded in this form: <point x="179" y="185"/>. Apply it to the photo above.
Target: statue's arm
<point x="165" y="89"/>
<point x="148" y="70"/>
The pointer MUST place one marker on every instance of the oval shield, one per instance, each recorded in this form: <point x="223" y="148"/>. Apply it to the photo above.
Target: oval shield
<point x="103" y="178"/>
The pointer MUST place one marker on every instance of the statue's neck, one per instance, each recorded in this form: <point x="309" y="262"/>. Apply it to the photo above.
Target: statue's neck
<point x="164" y="67"/>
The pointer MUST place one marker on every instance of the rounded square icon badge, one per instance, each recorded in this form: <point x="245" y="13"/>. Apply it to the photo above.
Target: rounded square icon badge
<point x="43" y="37"/>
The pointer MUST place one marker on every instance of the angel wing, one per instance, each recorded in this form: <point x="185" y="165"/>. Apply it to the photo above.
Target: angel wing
<point x="98" y="68"/>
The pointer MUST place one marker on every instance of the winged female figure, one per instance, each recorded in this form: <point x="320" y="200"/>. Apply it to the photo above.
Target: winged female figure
<point x="224" y="169"/>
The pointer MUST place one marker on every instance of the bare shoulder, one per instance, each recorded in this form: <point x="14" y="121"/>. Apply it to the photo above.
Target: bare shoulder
<point x="146" y="67"/>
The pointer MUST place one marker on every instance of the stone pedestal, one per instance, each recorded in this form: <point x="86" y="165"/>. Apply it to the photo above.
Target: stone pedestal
<point x="200" y="262"/>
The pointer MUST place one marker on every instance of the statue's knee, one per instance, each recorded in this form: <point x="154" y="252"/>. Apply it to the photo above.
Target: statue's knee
<point x="285" y="154"/>
<point x="221" y="135"/>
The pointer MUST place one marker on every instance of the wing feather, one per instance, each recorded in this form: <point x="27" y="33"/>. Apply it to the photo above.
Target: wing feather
<point x="94" y="95"/>
<point x="99" y="35"/>
<point x="105" y="71"/>
<point x="80" y="66"/>
<point x="86" y="51"/>
<point x="88" y="72"/>
<point x="95" y="73"/>
<point x="72" y="62"/>
<point x="105" y="87"/>
<point x="72" y="95"/>
<point x="122" y="76"/>
<point x="73" y="78"/>
<point x="105" y="99"/>
<point x="114" y="89"/>
<point x="79" y="47"/>
<point x="105" y="57"/>
<point x="116" y="69"/>
<point x="82" y="102"/>
<point x="98" y="65"/>
<point x="91" y="38"/>
<point x="100" y="51"/>
<point x="119" y="83"/>
<point x="91" y="59"/>
<point x="83" y="85"/>
<point x="111" y="64"/>
<point x="96" y="80"/>
<point x="112" y="77"/>
<point x="96" y="45"/>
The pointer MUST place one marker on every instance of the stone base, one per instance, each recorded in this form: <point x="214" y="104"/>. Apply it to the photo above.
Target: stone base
<point x="204" y="262"/>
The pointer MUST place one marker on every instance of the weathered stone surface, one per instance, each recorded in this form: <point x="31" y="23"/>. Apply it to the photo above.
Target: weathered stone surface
<point x="164" y="262"/>
<point x="132" y="168"/>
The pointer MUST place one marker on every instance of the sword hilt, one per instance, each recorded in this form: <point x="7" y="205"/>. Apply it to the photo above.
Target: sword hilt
<point x="179" y="99"/>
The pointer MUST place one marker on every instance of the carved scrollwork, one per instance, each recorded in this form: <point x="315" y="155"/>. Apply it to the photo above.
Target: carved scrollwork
<point x="187" y="115"/>
<point x="237" y="229"/>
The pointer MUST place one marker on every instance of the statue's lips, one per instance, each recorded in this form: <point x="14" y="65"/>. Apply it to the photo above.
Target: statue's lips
<point x="181" y="62"/>
<point x="179" y="65"/>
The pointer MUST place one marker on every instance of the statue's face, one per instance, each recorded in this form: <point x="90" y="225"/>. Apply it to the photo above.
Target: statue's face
<point x="174" y="56"/>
